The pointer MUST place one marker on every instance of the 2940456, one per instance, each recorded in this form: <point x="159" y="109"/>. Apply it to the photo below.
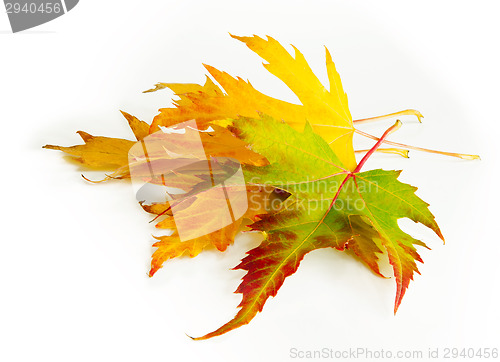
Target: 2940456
<point x="33" y="8"/>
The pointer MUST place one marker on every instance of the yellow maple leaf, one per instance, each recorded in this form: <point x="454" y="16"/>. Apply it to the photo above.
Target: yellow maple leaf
<point x="326" y="111"/>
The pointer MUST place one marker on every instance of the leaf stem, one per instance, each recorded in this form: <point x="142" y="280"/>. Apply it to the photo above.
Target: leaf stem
<point x="390" y="130"/>
<point x="98" y="181"/>
<point x="459" y="155"/>
<point x="397" y="151"/>
<point x="340" y="189"/>
<point x="407" y="112"/>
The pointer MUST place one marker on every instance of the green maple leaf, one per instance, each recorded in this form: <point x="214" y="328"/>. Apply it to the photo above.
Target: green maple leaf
<point x="329" y="207"/>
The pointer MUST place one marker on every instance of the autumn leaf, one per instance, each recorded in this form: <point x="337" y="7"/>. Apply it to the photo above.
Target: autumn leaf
<point x="326" y="111"/>
<point x="328" y="211"/>
<point x="169" y="247"/>
<point x="112" y="154"/>
<point x="209" y="103"/>
<point x="98" y="153"/>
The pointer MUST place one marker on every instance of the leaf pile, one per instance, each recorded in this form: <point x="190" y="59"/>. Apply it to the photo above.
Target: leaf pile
<point x="304" y="188"/>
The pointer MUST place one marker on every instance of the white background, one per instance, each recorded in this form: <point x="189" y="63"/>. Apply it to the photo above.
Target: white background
<point x="74" y="256"/>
